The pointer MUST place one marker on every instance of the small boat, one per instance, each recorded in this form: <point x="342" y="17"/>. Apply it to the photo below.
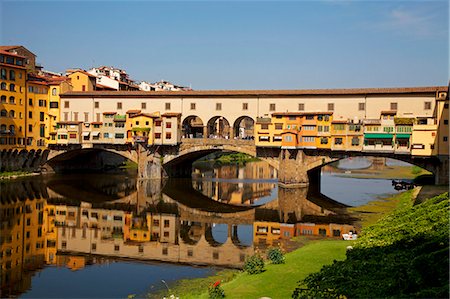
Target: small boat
<point x="349" y="236"/>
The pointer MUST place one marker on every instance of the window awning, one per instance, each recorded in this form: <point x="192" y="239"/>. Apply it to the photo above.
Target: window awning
<point x="378" y="136"/>
<point x="86" y="134"/>
<point x="402" y="136"/>
<point x="95" y="133"/>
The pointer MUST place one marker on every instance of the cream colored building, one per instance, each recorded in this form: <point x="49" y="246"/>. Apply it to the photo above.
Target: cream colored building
<point x="229" y="107"/>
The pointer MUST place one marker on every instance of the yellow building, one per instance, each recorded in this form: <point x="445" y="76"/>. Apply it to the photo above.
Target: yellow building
<point x="37" y="118"/>
<point x="139" y="228"/>
<point x="12" y="101"/>
<point x="323" y="139"/>
<point x="82" y="80"/>
<point x="57" y="85"/>
<point x="266" y="233"/>
<point x="339" y="135"/>
<point x="139" y="127"/>
<point x="24" y="247"/>
<point x="442" y="119"/>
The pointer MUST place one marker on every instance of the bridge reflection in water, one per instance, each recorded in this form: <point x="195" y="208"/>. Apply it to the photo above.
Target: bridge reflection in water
<point x="75" y="221"/>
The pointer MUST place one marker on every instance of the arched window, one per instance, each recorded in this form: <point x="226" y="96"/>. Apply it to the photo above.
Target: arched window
<point x="3" y="74"/>
<point x="3" y="113"/>
<point x="12" y="75"/>
<point x="12" y="129"/>
<point x="12" y="113"/>
<point x="12" y="87"/>
<point x="53" y="91"/>
<point x="3" y="128"/>
<point x="12" y="100"/>
<point x="3" y="86"/>
<point x="3" y="99"/>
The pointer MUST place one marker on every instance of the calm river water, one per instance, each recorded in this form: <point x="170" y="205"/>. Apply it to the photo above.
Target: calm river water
<point x="91" y="235"/>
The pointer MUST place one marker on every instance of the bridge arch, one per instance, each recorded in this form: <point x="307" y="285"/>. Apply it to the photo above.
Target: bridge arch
<point x="180" y="165"/>
<point x="96" y="159"/>
<point x="314" y="166"/>
<point x="218" y="127"/>
<point x="244" y="127"/>
<point x="192" y="127"/>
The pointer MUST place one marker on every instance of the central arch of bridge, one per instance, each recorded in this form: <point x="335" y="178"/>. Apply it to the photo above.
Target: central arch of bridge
<point x="180" y="164"/>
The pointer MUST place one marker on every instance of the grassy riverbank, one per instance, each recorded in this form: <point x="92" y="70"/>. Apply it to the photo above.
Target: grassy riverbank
<point x="279" y="281"/>
<point x="228" y="159"/>
<point x="403" y="255"/>
<point x="389" y="173"/>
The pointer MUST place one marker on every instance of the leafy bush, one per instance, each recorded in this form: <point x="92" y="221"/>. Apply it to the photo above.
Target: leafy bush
<point x="215" y="291"/>
<point x="275" y="256"/>
<point x="254" y="264"/>
<point x="404" y="255"/>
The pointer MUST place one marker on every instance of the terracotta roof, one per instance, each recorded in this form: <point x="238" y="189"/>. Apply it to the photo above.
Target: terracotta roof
<point x="143" y="114"/>
<point x="57" y="80"/>
<point x="8" y="48"/>
<point x="104" y="87"/>
<point x="83" y="72"/>
<point x="110" y="113"/>
<point x="10" y="54"/>
<point x="96" y="123"/>
<point x="37" y="82"/>
<point x="287" y="113"/>
<point x="133" y="111"/>
<point x="258" y="93"/>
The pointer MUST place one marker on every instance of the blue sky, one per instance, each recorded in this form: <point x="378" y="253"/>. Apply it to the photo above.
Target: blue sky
<point x="241" y="44"/>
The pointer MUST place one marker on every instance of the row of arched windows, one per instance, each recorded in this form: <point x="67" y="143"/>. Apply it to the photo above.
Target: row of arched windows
<point x="12" y="100"/>
<point x="3" y="86"/>
<point x="4" y="113"/>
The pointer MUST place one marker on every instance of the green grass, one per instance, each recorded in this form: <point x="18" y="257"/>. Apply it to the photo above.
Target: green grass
<point x="403" y="255"/>
<point x="278" y="281"/>
<point x="194" y="288"/>
<point x="374" y="210"/>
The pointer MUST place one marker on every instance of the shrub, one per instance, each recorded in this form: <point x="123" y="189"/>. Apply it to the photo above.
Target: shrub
<point x="275" y="256"/>
<point x="254" y="264"/>
<point x="215" y="291"/>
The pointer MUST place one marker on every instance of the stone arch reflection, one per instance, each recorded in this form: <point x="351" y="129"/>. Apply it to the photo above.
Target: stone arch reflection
<point x="190" y="232"/>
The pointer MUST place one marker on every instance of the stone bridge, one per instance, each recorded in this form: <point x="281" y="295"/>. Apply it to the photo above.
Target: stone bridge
<point x="296" y="167"/>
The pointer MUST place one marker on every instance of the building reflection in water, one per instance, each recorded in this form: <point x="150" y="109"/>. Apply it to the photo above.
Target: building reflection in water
<point x="226" y="183"/>
<point x="51" y="228"/>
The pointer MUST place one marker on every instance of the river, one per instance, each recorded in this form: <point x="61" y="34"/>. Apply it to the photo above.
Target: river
<point x="98" y="235"/>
